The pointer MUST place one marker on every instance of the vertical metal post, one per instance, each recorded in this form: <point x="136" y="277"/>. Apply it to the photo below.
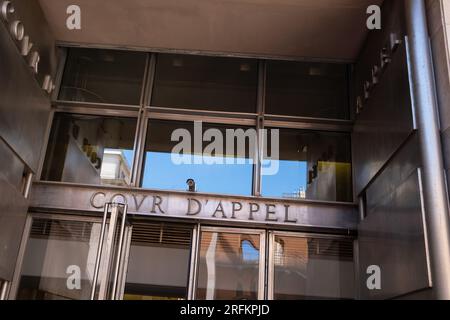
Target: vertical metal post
<point x="435" y="193"/>
<point x="192" y="267"/>
<point x="109" y="252"/>
<point x="4" y="290"/>
<point x="99" y="252"/>
<point x="119" y="253"/>
<point x="260" y="106"/>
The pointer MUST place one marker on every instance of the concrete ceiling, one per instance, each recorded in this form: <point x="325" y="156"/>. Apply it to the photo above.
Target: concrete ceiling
<point x="312" y="29"/>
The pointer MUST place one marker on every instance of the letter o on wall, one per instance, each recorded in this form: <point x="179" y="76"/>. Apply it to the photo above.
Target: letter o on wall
<point x="17" y="30"/>
<point x="119" y="195"/>
<point x="7" y="8"/>
<point x="94" y="203"/>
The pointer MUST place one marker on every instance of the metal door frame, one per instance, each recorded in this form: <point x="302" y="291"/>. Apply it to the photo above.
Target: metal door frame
<point x="262" y="254"/>
<point x="112" y="276"/>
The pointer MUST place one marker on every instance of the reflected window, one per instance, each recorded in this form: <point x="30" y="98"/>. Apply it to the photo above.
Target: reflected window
<point x="315" y="90"/>
<point x="249" y="251"/>
<point x="158" y="265"/>
<point x="90" y="149"/>
<point x="313" y="268"/>
<point x="229" y="266"/>
<point x="206" y="83"/>
<point x="311" y="165"/>
<point x="55" y="250"/>
<point x="171" y="157"/>
<point x="103" y="76"/>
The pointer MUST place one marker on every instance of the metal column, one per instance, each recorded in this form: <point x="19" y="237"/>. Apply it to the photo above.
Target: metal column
<point x="434" y="188"/>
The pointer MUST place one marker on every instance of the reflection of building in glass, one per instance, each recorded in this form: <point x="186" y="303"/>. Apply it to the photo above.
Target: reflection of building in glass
<point x="115" y="168"/>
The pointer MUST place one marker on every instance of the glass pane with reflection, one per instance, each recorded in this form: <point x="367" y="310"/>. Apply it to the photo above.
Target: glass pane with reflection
<point x="59" y="260"/>
<point x="205" y="83"/>
<point x="103" y="76"/>
<point x="314" y="90"/>
<point x="229" y="265"/>
<point x="312" y="268"/>
<point x="219" y="171"/>
<point x="90" y="149"/>
<point x="308" y="165"/>
<point x="158" y="265"/>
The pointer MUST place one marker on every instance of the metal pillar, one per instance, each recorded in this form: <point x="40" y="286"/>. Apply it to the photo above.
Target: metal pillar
<point x="4" y="290"/>
<point x="434" y="187"/>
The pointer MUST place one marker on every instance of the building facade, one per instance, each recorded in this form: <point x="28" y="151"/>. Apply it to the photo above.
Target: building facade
<point x="224" y="150"/>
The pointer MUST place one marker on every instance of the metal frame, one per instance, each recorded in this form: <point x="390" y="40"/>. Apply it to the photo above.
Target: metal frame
<point x="4" y="288"/>
<point x="110" y="273"/>
<point x="193" y="262"/>
<point x="69" y="44"/>
<point x="272" y="234"/>
<point x="262" y="253"/>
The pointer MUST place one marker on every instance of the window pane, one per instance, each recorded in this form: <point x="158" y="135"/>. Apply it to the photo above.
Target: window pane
<point x="206" y="83"/>
<point x="103" y="76"/>
<point x="311" y="165"/>
<point x="168" y="167"/>
<point x="315" y="90"/>
<point x="158" y="266"/>
<point x="228" y="266"/>
<point x="90" y="149"/>
<point x="313" y="268"/>
<point x="55" y="250"/>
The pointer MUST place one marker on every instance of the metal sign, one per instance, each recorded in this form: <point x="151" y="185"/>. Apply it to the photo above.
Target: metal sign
<point x="48" y="195"/>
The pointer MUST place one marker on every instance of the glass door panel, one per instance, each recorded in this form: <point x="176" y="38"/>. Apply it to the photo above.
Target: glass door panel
<point x="159" y="258"/>
<point x="59" y="260"/>
<point x="310" y="267"/>
<point x="230" y="265"/>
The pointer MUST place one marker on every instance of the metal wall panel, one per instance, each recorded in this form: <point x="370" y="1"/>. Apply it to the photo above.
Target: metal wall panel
<point x="13" y="209"/>
<point x="24" y="113"/>
<point x="386" y="159"/>
<point x="24" y="106"/>
<point x="11" y="168"/>
<point x="392" y="236"/>
<point x="386" y="119"/>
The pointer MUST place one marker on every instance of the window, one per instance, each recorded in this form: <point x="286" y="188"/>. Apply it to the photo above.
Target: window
<point x="218" y="171"/>
<point x="206" y="83"/>
<point x="312" y="268"/>
<point x="315" y="90"/>
<point x="103" y="76"/>
<point x="311" y="165"/>
<point x="90" y="149"/>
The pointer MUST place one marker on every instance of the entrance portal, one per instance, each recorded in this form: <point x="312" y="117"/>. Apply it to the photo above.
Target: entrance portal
<point x="147" y="259"/>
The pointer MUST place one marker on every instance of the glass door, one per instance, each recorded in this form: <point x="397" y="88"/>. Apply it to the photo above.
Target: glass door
<point x="69" y="257"/>
<point x="230" y="264"/>
<point x="308" y="266"/>
<point x="159" y="261"/>
<point x="59" y="259"/>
